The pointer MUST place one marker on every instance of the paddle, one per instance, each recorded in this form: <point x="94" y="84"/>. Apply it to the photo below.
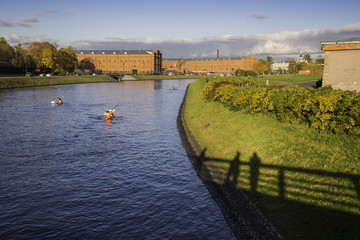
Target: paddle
<point x="113" y="111"/>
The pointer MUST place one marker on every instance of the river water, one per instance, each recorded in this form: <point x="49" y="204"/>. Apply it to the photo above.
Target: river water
<point x="66" y="173"/>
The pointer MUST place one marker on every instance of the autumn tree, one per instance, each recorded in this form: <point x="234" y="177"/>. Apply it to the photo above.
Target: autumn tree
<point x="261" y="67"/>
<point x="49" y="55"/>
<point x="37" y="55"/>
<point x="181" y="62"/>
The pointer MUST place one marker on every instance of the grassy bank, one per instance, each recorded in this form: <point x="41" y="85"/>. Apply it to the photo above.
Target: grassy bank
<point x="13" y="82"/>
<point x="304" y="181"/>
<point x="287" y="79"/>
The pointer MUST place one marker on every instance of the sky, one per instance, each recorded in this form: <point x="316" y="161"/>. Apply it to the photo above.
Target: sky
<point x="184" y="28"/>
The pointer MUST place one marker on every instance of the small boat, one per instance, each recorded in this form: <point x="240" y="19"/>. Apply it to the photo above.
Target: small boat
<point x="57" y="101"/>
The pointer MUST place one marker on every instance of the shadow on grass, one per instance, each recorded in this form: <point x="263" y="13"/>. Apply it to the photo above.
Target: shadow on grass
<point x="301" y="203"/>
<point x="297" y="202"/>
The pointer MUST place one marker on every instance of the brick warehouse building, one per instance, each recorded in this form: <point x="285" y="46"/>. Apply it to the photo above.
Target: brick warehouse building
<point x="122" y="61"/>
<point x="215" y="65"/>
<point x="149" y="61"/>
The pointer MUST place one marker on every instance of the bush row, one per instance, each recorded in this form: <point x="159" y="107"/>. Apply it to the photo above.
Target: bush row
<point x="323" y="108"/>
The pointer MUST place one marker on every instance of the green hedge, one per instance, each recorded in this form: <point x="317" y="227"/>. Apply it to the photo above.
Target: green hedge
<point x="323" y="108"/>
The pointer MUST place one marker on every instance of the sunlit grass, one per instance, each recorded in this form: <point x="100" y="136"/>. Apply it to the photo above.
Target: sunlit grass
<point x="12" y="82"/>
<point x="295" y="174"/>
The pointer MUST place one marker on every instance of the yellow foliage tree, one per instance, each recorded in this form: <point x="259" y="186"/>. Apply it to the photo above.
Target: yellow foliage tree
<point x="181" y="62"/>
<point x="49" y="55"/>
<point x="261" y="67"/>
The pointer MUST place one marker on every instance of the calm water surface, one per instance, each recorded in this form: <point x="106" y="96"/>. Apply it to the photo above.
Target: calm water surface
<point x="66" y="173"/>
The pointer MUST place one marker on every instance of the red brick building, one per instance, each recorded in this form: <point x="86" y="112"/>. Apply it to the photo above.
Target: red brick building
<point x="122" y="61"/>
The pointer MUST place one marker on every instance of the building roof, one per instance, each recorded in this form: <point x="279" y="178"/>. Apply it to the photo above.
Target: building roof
<point x="121" y="52"/>
<point x="206" y="59"/>
<point x="352" y="40"/>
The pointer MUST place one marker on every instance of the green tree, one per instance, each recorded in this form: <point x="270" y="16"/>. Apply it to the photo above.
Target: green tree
<point x="19" y="56"/>
<point x="6" y="52"/>
<point x="35" y="50"/>
<point x="307" y="58"/>
<point x="86" y="64"/>
<point x="66" y="60"/>
<point x="292" y="67"/>
<point x="22" y="58"/>
<point x="316" y="68"/>
<point x="269" y="59"/>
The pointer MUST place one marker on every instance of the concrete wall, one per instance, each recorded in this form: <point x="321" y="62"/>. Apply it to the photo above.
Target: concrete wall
<point x="342" y="69"/>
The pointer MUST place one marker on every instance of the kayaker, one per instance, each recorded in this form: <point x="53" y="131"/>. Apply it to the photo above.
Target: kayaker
<point x="58" y="101"/>
<point x="109" y="114"/>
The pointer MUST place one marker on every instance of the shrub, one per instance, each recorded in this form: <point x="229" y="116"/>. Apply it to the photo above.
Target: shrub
<point x="322" y="109"/>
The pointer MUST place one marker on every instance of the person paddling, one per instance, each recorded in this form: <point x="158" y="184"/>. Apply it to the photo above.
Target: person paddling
<point x="58" y="101"/>
<point x="109" y="114"/>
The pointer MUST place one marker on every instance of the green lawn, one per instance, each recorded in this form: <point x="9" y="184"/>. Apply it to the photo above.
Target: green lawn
<point x="12" y="82"/>
<point x="276" y="79"/>
<point x="306" y="182"/>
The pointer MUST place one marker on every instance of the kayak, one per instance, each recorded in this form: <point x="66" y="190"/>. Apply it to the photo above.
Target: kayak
<point x="56" y="102"/>
<point x="110" y="118"/>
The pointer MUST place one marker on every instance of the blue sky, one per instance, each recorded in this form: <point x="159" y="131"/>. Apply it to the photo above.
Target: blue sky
<point x="183" y="28"/>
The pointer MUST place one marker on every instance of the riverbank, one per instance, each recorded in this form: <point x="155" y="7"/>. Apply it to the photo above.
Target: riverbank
<point x="305" y="182"/>
<point x="15" y="82"/>
<point x="245" y="220"/>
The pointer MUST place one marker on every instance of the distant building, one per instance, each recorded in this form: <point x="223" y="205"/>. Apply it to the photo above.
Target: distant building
<point x="342" y="64"/>
<point x="121" y="61"/>
<point x="217" y="66"/>
<point x="151" y="62"/>
<point x="279" y="66"/>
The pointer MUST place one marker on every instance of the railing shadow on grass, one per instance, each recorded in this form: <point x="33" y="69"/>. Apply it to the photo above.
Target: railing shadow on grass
<point x="311" y="203"/>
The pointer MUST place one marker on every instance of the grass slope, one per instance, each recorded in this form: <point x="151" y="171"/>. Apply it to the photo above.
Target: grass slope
<point x="306" y="182"/>
<point x="13" y="82"/>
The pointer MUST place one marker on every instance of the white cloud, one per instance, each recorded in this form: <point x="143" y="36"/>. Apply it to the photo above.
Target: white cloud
<point x="23" y="23"/>
<point x="30" y="19"/>
<point x="4" y="23"/>
<point x="16" y="39"/>
<point x="258" y="45"/>
<point x="48" y="12"/>
<point x="259" y="16"/>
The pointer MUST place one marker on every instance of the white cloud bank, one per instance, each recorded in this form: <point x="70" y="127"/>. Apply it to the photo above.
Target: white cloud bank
<point x="16" y="38"/>
<point x="258" y="45"/>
